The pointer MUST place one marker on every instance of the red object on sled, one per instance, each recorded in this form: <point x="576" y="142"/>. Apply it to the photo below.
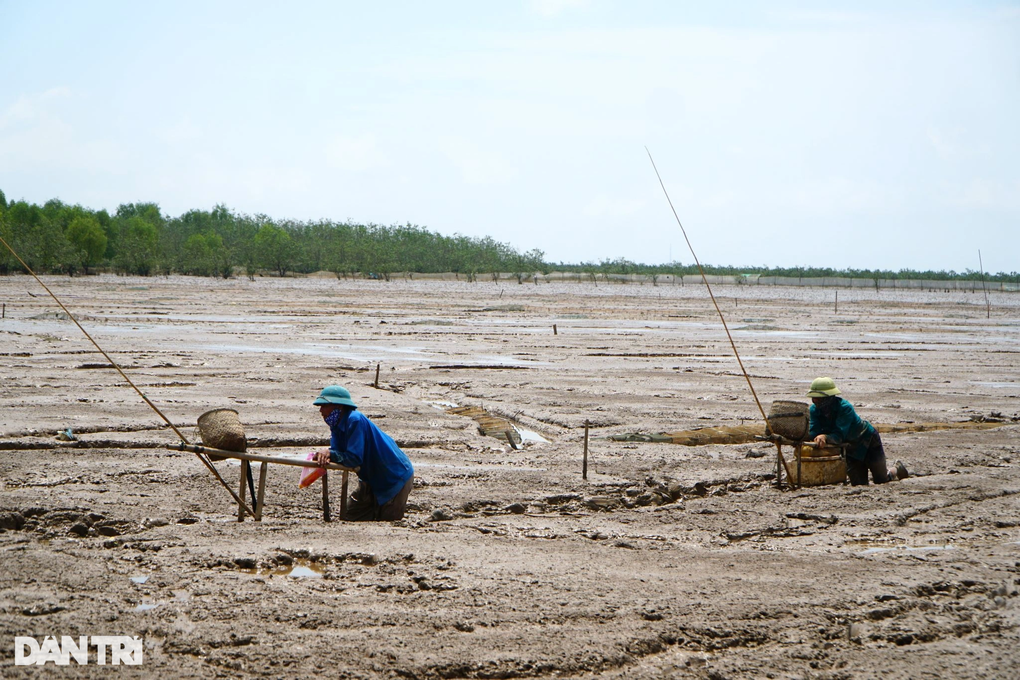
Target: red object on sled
<point x="309" y="475"/>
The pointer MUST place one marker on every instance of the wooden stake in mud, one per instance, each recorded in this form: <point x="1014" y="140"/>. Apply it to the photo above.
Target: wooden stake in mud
<point x="584" y="465"/>
<point x="837" y="302"/>
<point x="554" y="330"/>
<point x="377" y="376"/>
<point x="510" y="440"/>
<point x="260" y="501"/>
<point x="343" y="496"/>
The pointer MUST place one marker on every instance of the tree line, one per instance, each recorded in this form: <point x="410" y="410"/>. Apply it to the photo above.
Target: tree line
<point x="624" y="266"/>
<point x="139" y="239"/>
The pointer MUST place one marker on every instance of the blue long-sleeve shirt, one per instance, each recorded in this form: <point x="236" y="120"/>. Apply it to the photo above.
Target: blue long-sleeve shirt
<point x="841" y="425"/>
<point x="355" y="441"/>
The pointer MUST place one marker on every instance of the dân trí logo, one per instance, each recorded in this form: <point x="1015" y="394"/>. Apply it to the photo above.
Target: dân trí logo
<point x="122" y="649"/>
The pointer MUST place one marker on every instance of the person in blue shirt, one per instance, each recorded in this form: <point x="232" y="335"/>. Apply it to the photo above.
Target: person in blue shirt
<point x="833" y="422"/>
<point x="385" y="476"/>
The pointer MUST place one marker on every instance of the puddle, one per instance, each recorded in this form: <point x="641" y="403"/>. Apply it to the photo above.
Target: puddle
<point x="328" y="351"/>
<point x="448" y="466"/>
<point x="1004" y="385"/>
<point x="299" y="569"/>
<point x="498" y="427"/>
<point x="908" y="549"/>
<point x="139" y="579"/>
<point x="530" y="436"/>
<point x="146" y="606"/>
<point x="441" y="405"/>
<point x="305" y="572"/>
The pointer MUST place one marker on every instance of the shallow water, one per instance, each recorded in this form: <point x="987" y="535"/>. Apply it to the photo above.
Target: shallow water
<point x="301" y="568"/>
<point x="906" y="548"/>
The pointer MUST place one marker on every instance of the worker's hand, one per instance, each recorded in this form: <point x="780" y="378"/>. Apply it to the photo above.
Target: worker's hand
<point x="322" y="457"/>
<point x="820" y="440"/>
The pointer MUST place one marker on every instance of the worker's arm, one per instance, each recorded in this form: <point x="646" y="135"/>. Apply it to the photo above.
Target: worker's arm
<point x="849" y="425"/>
<point x="816" y="428"/>
<point x="352" y="452"/>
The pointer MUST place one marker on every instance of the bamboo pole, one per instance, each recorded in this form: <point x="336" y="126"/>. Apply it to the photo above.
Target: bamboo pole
<point x="789" y="477"/>
<point x="261" y="500"/>
<point x="240" y="492"/>
<point x="113" y="363"/>
<point x="711" y="295"/>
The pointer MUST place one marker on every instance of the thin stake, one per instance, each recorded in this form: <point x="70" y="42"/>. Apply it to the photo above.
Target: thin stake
<point x="837" y="302"/>
<point x="554" y="330"/>
<point x="343" y="496"/>
<point x="113" y="363"/>
<point x="377" y="376"/>
<point x="325" y="498"/>
<point x="988" y="308"/>
<point x="714" y="303"/>
<point x="584" y="465"/>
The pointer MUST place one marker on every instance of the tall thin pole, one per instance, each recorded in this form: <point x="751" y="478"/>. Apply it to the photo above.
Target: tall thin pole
<point x="113" y="363"/>
<point x="714" y="303"/>
<point x="988" y="307"/>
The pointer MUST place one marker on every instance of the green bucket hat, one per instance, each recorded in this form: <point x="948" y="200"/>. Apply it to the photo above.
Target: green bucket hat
<point x="823" y="387"/>
<point x="334" y="394"/>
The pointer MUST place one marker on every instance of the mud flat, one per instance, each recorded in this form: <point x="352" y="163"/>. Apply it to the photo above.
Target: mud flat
<point x="669" y="561"/>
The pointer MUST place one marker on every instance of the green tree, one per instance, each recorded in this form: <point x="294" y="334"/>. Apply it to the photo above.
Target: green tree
<point x="274" y="248"/>
<point x="137" y="253"/>
<point x="204" y="254"/>
<point x="87" y="239"/>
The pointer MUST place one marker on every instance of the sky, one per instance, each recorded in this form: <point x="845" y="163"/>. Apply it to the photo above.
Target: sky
<point x="879" y="135"/>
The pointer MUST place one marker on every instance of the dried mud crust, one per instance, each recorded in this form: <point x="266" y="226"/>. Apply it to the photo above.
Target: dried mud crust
<point x="669" y="561"/>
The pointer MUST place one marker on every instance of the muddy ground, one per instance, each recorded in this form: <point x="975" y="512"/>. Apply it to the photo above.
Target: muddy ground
<point x="669" y="561"/>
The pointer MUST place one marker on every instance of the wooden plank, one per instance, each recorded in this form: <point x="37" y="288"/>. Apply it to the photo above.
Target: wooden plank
<point x="236" y="455"/>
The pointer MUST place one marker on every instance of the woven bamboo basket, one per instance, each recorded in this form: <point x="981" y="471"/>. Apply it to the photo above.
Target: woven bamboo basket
<point x="819" y="466"/>
<point x="221" y="429"/>
<point x="789" y="419"/>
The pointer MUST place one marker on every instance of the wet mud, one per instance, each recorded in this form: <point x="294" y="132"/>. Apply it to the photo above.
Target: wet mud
<point x="669" y="561"/>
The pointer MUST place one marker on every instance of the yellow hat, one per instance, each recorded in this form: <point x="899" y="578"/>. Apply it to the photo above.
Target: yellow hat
<point x="823" y="387"/>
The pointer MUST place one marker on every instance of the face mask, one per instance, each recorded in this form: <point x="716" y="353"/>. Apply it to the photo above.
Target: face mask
<point x="334" y="417"/>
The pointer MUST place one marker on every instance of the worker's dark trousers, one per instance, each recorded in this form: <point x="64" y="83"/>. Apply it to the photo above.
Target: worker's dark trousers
<point x="363" y="508"/>
<point x="874" y="460"/>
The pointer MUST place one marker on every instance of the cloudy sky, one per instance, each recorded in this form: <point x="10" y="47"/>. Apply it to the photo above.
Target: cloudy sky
<point x="842" y="134"/>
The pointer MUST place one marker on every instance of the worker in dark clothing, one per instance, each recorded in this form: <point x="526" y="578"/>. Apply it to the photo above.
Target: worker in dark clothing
<point x="385" y="474"/>
<point x="834" y="422"/>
